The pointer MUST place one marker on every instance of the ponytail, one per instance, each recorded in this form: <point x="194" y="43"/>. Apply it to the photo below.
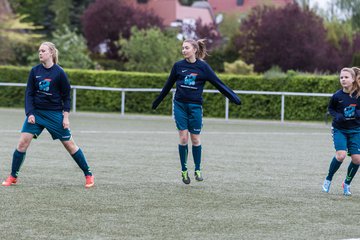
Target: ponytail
<point x="200" y="46"/>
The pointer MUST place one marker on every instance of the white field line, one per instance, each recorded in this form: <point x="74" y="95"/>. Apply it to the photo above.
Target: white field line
<point x="174" y="132"/>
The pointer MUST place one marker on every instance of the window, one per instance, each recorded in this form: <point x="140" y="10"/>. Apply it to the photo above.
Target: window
<point x="240" y="2"/>
<point x="142" y="1"/>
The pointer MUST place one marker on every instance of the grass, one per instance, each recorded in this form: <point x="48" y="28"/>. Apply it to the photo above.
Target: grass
<point x="262" y="180"/>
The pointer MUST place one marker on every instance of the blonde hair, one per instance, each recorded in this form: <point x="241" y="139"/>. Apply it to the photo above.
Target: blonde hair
<point x="53" y="50"/>
<point x="199" y="45"/>
<point x="355" y="74"/>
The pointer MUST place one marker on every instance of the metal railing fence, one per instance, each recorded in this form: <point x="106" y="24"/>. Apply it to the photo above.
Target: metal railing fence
<point x="124" y="90"/>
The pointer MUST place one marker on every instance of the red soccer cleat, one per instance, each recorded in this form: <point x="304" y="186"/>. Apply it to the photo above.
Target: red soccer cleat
<point x="9" y="181"/>
<point x="89" y="181"/>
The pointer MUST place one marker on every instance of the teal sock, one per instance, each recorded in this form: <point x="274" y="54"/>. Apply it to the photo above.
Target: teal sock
<point x="334" y="166"/>
<point x="18" y="159"/>
<point x="352" y="169"/>
<point x="196" y="151"/>
<point x="183" y="152"/>
<point x="81" y="162"/>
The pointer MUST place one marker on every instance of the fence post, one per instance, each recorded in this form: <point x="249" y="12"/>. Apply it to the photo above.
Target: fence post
<point x="122" y="102"/>
<point x="226" y="109"/>
<point x="282" y="107"/>
<point x="74" y="100"/>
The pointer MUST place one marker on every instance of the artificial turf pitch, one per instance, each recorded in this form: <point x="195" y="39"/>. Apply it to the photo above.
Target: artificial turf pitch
<point x="262" y="180"/>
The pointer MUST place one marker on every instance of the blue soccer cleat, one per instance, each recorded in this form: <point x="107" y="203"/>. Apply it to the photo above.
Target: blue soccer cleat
<point x="326" y="186"/>
<point x="346" y="188"/>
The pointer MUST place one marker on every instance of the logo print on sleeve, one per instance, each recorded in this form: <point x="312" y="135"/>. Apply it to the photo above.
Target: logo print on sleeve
<point x="45" y="85"/>
<point x="190" y="79"/>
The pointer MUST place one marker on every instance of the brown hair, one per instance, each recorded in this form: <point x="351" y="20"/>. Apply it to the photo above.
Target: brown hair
<point x="199" y="45"/>
<point x="357" y="80"/>
<point x="356" y="84"/>
<point x="53" y="51"/>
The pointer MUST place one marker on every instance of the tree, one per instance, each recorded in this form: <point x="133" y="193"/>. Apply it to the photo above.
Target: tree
<point x="290" y="37"/>
<point x="17" y="39"/>
<point x="61" y="10"/>
<point x="105" y="21"/>
<point x="337" y="30"/>
<point x="72" y="48"/>
<point x="210" y="32"/>
<point x="350" y="8"/>
<point x="77" y="10"/>
<point x="51" y="14"/>
<point x="230" y="25"/>
<point x="36" y="12"/>
<point x="73" y="52"/>
<point x="150" y="50"/>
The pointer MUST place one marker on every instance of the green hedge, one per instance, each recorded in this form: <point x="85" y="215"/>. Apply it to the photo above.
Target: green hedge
<point x="253" y="107"/>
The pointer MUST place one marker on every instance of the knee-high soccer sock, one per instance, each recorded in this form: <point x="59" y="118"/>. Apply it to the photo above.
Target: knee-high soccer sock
<point x="18" y="159"/>
<point x="196" y="151"/>
<point x="183" y="152"/>
<point x="81" y="162"/>
<point x="352" y="169"/>
<point x="334" y="166"/>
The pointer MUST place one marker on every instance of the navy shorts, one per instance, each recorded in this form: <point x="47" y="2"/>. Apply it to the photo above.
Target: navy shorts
<point x="347" y="140"/>
<point x="51" y="120"/>
<point x="188" y="116"/>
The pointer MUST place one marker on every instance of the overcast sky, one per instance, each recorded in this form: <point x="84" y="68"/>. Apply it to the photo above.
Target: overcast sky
<point x="321" y="3"/>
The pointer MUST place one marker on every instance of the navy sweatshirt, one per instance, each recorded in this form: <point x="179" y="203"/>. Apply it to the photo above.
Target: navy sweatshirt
<point x="345" y="110"/>
<point x="48" y="89"/>
<point x="190" y="79"/>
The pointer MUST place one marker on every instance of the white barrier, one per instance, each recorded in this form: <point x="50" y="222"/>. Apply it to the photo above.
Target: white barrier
<point x="124" y="90"/>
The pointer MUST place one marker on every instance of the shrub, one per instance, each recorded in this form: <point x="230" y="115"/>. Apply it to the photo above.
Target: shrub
<point x="239" y="67"/>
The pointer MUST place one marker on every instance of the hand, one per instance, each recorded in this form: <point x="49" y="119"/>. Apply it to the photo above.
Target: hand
<point x="31" y="119"/>
<point x="154" y="105"/>
<point x="357" y="114"/>
<point x="340" y="117"/>
<point x="66" y="122"/>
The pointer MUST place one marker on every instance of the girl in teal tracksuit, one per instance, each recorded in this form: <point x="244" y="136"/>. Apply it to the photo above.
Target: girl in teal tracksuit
<point x="344" y="107"/>
<point x="47" y="105"/>
<point x="190" y="75"/>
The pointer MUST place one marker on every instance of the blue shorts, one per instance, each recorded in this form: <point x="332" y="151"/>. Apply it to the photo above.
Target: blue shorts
<point x="51" y="120"/>
<point x="188" y="116"/>
<point x="347" y="140"/>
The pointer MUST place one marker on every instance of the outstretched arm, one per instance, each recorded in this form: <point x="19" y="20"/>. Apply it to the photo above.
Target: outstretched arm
<point x="214" y="80"/>
<point x="166" y="89"/>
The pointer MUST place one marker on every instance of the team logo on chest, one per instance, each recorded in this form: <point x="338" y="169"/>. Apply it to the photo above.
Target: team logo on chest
<point x="190" y="79"/>
<point x="44" y="85"/>
<point x="349" y="112"/>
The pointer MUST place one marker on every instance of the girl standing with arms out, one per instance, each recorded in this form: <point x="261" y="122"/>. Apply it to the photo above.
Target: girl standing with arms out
<point x="190" y="75"/>
<point x="47" y="105"/>
<point x="344" y="107"/>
